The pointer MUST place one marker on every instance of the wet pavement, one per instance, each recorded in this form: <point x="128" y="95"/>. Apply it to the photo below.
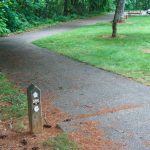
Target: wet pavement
<point x="121" y="105"/>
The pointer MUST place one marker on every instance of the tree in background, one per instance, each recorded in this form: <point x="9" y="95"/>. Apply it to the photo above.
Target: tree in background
<point x="118" y="16"/>
<point x="137" y="4"/>
<point x="66" y="7"/>
<point x="20" y="14"/>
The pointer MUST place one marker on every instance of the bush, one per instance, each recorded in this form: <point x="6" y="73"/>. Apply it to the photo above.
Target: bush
<point x="3" y="28"/>
<point x="65" y="18"/>
<point x="18" y="15"/>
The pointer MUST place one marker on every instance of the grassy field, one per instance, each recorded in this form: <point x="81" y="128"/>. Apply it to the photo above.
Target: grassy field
<point x="128" y="54"/>
<point x="13" y="103"/>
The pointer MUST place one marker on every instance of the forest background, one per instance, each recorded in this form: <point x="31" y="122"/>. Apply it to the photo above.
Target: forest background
<point x="19" y="15"/>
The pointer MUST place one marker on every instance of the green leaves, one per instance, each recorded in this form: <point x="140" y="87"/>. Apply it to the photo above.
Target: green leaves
<point x="137" y="5"/>
<point x="18" y="15"/>
<point x="3" y="28"/>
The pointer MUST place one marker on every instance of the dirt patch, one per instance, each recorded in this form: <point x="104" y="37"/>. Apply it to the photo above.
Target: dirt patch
<point x="15" y="132"/>
<point x="146" y="51"/>
<point x="52" y="115"/>
<point x="88" y="137"/>
<point x="147" y="143"/>
<point x="110" y="37"/>
<point x="111" y="110"/>
<point x="4" y="104"/>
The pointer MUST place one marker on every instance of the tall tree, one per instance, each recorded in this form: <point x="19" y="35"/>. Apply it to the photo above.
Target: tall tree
<point x="118" y="16"/>
<point x="66" y="7"/>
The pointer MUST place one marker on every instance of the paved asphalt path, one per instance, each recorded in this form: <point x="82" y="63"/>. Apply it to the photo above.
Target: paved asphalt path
<point x="81" y="89"/>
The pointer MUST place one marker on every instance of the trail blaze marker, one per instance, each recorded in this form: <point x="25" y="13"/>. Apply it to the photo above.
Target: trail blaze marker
<point x="34" y="109"/>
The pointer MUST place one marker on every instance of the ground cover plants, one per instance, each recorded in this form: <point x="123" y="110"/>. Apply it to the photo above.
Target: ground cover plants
<point x="13" y="103"/>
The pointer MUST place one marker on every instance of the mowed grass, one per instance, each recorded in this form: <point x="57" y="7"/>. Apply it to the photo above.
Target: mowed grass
<point x="128" y="54"/>
<point x="13" y="103"/>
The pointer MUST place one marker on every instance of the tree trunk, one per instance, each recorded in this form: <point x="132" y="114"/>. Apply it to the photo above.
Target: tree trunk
<point x="118" y="16"/>
<point x="65" y="7"/>
<point x="114" y="28"/>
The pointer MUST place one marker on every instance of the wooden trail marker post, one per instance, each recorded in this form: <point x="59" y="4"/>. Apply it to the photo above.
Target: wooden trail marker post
<point x="34" y="109"/>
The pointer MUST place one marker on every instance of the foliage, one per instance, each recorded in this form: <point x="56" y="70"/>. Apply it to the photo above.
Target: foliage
<point x="64" y="18"/>
<point x="3" y="28"/>
<point x="13" y="103"/>
<point x="93" y="44"/>
<point x="137" y="5"/>
<point x="61" y="142"/>
<point x="16" y="15"/>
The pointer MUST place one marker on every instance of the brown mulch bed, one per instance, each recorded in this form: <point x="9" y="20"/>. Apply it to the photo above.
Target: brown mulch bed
<point x="89" y="137"/>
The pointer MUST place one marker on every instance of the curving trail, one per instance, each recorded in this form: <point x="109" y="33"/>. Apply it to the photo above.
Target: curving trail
<point x="120" y="104"/>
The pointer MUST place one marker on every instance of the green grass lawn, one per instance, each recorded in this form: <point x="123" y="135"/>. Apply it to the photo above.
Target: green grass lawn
<point x="124" y="55"/>
<point x="13" y="103"/>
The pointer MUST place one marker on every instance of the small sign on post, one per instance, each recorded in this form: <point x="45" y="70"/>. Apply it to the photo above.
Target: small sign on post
<point x="34" y="109"/>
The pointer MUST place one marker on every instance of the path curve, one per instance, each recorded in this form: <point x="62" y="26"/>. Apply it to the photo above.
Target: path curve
<point x="80" y="88"/>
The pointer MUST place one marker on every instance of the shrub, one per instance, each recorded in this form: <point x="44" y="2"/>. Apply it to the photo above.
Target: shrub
<point x="3" y="28"/>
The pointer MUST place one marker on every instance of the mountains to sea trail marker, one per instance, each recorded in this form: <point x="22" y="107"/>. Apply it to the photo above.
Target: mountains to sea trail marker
<point x="34" y="109"/>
